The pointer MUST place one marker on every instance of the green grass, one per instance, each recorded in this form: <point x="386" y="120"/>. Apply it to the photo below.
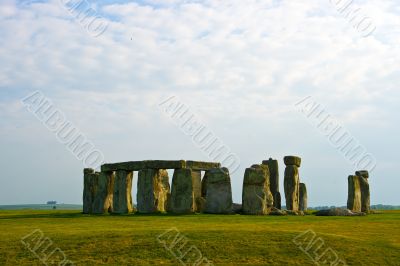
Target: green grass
<point x="223" y="239"/>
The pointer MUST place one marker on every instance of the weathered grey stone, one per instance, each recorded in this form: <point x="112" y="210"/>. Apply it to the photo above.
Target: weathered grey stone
<point x="186" y="188"/>
<point x="140" y="165"/>
<point x="277" y="212"/>
<point x="127" y="166"/>
<point x="338" y="212"/>
<point x="362" y="173"/>
<point x="291" y="185"/>
<point x="88" y="171"/>
<point x="302" y="197"/>
<point x="277" y="200"/>
<point x="160" y="164"/>
<point x="256" y="197"/>
<point x="122" y="197"/>
<point x="237" y="208"/>
<point x="201" y="204"/>
<point x="274" y="180"/>
<point x="202" y="166"/>
<point x="354" y="194"/>
<point x="89" y="189"/>
<point x="292" y="160"/>
<point x="365" y="195"/>
<point x="103" y="196"/>
<point x="196" y="178"/>
<point x="219" y="191"/>
<point x="152" y="191"/>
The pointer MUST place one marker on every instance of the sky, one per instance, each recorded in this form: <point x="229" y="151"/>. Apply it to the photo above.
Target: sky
<point x="240" y="67"/>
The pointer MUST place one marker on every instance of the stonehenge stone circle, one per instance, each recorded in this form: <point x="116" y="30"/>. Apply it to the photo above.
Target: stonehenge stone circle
<point x="256" y="196"/>
<point x="274" y="180"/>
<point x="103" y="198"/>
<point x="122" y="198"/>
<point x="153" y="190"/>
<point x="354" y="194"/>
<point x="302" y="197"/>
<point x="219" y="191"/>
<point x="292" y="182"/>
<point x="110" y="190"/>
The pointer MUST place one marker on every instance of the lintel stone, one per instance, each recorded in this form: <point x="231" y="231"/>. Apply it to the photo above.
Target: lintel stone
<point x="159" y="164"/>
<point x="202" y="166"/>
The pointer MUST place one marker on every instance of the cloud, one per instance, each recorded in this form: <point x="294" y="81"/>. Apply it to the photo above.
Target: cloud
<point x="240" y="65"/>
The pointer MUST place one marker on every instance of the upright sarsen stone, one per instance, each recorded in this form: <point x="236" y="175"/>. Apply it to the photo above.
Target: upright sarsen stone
<point x="256" y="196"/>
<point x="291" y="182"/>
<point x="277" y="203"/>
<point x="122" y="197"/>
<point x="185" y="191"/>
<point x="364" y="187"/>
<point x="302" y="197"/>
<point x="219" y="191"/>
<point x="89" y="189"/>
<point x="365" y="195"/>
<point x="152" y="190"/>
<point x="103" y="198"/>
<point x="274" y="180"/>
<point x="354" y="194"/>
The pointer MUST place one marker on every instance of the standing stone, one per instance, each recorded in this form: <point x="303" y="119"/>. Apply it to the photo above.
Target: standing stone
<point x="89" y="183"/>
<point x="274" y="181"/>
<point x="364" y="187"/>
<point x="354" y="194"/>
<point x="122" y="198"/>
<point x="303" y="197"/>
<point x="152" y="190"/>
<point x="292" y="182"/>
<point x="277" y="203"/>
<point x="219" y="191"/>
<point x="186" y="189"/>
<point x="103" y="198"/>
<point x="256" y="197"/>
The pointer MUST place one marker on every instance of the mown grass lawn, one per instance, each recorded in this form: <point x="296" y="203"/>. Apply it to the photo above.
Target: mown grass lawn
<point x="222" y="239"/>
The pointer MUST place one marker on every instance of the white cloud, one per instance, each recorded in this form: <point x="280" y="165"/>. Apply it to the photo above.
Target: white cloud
<point x="233" y="62"/>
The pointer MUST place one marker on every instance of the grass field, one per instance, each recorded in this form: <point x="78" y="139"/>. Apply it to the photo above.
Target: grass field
<point x="222" y="239"/>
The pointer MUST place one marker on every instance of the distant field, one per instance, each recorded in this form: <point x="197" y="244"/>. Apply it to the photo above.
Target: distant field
<point x="224" y="240"/>
<point x="41" y="207"/>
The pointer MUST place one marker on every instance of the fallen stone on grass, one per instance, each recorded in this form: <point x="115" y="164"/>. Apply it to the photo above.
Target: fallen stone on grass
<point x="338" y="212"/>
<point x="277" y="212"/>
